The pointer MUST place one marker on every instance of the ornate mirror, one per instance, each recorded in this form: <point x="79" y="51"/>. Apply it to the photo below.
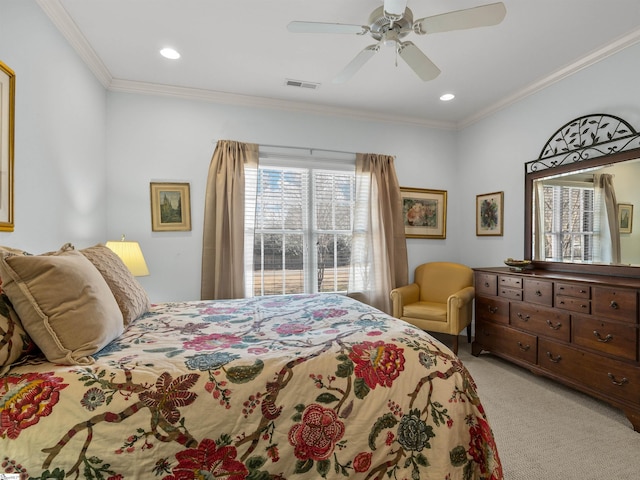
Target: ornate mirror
<point x="579" y="199"/>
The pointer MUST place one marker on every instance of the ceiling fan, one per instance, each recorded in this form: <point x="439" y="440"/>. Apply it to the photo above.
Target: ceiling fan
<point x="391" y="22"/>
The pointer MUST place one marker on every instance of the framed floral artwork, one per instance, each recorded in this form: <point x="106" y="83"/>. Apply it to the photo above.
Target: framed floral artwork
<point x="489" y="213"/>
<point x="424" y="212"/>
<point x="170" y="207"/>
<point x="625" y="217"/>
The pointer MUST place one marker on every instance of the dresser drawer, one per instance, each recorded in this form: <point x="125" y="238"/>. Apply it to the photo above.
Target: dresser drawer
<point x="615" y="303"/>
<point x="501" y="339"/>
<point x="541" y="321"/>
<point x="492" y="309"/>
<point x="608" y="376"/>
<point x="486" y="284"/>
<point x="573" y="290"/>
<point x="538" y="291"/>
<point x="574" y="304"/>
<point x="513" y="282"/>
<point x="613" y="338"/>
<point x="510" y="293"/>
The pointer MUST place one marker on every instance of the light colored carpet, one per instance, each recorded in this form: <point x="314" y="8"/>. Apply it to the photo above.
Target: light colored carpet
<point x="545" y="431"/>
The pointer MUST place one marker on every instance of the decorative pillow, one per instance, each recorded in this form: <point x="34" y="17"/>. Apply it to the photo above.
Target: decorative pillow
<point x="130" y="295"/>
<point x="63" y="302"/>
<point x="14" y="341"/>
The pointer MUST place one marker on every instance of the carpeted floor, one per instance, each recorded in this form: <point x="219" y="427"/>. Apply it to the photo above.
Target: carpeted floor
<point x="545" y="431"/>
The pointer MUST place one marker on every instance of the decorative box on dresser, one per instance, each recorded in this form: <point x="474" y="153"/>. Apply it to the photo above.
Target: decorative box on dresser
<point x="578" y="329"/>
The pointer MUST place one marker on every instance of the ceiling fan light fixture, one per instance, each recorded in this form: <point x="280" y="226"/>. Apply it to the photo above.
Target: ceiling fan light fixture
<point x="170" y="53"/>
<point x="447" y="97"/>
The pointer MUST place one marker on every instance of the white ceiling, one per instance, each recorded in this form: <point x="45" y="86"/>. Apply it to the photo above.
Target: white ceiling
<point x="240" y="51"/>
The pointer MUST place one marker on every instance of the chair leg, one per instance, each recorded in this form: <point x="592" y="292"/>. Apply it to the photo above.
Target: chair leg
<point x="455" y="344"/>
<point x="469" y="333"/>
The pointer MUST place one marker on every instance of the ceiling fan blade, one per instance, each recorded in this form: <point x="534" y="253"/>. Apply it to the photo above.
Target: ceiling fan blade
<point x="357" y="63"/>
<point x="418" y="61"/>
<point x="483" y="16"/>
<point x="395" y="7"/>
<point x="321" y="27"/>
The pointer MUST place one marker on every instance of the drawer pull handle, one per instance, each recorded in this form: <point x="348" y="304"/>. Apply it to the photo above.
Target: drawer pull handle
<point x="524" y="318"/>
<point x="554" y="327"/>
<point x="486" y="284"/>
<point x="561" y="302"/>
<point x="614" y="305"/>
<point x="583" y="306"/>
<point x="493" y="309"/>
<point x="554" y="359"/>
<point x="538" y="293"/>
<point x="613" y="379"/>
<point x="524" y="348"/>
<point x="606" y="339"/>
<point x="583" y="291"/>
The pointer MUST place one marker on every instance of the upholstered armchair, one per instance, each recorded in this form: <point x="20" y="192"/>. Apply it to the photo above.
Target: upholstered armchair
<point x="439" y="300"/>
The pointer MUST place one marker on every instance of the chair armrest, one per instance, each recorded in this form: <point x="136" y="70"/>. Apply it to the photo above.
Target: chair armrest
<point x="402" y="296"/>
<point x="459" y="308"/>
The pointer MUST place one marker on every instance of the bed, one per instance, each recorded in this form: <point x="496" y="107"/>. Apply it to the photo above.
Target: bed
<point x="282" y="387"/>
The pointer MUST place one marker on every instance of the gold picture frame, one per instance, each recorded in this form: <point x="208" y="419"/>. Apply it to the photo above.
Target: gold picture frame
<point x="170" y="207"/>
<point x="625" y="217"/>
<point x="489" y="214"/>
<point x="7" y="132"/>
<point x="424" y="212"/>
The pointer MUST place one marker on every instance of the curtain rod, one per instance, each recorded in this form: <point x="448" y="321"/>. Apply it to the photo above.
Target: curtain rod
<point x="311" y="150"/>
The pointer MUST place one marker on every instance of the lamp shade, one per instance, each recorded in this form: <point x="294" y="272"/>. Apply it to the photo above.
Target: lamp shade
<point x="131" y="255"/>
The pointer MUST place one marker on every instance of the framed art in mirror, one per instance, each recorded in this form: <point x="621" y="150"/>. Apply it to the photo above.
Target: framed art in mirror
<point x="7" y="128"/>
<point x="424" y="212"/>
<point x="170" y="207"/>
<point x="625" y="217"/>
<point x="489" y="213"/>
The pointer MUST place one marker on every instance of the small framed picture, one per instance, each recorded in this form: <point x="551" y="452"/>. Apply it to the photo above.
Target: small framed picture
<point x="424" y="212"/>
<point x="170" y="207"/>
<point x="625" y="217"/>
<point x="489" y="213"/>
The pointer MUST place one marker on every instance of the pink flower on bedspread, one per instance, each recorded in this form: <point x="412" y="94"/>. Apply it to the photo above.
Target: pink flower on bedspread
<point x="24" y="399"/>
<point x="208" y="461"/>
<point x="212" y="342"/>
<point x="292" y="328"/>
<point x="315" y="437"/>
<point x="377" y="363"/>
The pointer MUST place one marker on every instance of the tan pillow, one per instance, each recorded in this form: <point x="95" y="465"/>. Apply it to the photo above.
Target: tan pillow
<point x="64" y="304"/>
<point x="130" y="295"/>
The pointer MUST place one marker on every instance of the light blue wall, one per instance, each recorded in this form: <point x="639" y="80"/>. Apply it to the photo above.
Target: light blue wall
<point x="60" y="131"/>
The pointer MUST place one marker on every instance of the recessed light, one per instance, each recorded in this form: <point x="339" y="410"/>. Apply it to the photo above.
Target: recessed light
<point x="447" y="96"/>
<point x="169" y="53"/>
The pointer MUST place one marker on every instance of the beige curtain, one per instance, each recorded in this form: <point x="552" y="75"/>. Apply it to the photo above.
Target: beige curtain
<point x="605" y="182"/>
<point x="223" y="242"/>
<point x="379" y="249"/>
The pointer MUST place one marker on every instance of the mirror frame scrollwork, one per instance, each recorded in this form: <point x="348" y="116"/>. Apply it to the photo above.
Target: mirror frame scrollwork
<point x="585" y="142"/>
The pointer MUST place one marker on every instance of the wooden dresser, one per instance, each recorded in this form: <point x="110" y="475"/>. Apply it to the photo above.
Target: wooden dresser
<point x="581" y="330"/>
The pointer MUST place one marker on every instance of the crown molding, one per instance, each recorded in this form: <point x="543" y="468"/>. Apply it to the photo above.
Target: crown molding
<point x="591" y="59"/>
<point x="65" y="24"/>
<point x="128" y="86"/>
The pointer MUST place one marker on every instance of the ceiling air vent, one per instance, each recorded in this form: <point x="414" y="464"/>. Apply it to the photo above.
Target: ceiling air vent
<point x="302" y="84"/>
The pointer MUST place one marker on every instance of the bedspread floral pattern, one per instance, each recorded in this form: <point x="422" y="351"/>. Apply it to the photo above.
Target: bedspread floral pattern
<point x="292" y="387"/>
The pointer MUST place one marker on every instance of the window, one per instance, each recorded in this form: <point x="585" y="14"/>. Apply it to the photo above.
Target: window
<point x="569" y="223"/>
<point x="302" y="232"/>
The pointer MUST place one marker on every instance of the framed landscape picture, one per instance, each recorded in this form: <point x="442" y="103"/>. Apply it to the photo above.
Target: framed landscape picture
<point x="170" y="207"/>
<point x="424" y="212"/>
<point x="489" y="213"/>
<point x="625" y="217"/>
<point x="7" y="128"/>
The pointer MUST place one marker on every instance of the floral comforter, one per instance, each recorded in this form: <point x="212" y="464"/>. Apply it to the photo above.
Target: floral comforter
<point x="290" y="387"/>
